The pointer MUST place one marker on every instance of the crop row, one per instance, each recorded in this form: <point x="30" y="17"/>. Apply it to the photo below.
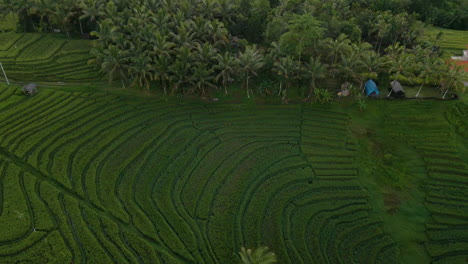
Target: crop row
<point x="48" y="58"/>
<point x="7" y="40"/>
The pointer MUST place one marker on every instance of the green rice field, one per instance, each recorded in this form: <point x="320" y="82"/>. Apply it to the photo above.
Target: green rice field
<point x="99" y="177"/>
<point x="453" y="41"/>
<point x="38" y="57"/>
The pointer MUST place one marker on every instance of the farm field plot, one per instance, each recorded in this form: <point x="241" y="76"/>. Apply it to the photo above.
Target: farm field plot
<point x="103" y="178"/>
<point x="46" y="57"/>
<point x="453" y="41"/>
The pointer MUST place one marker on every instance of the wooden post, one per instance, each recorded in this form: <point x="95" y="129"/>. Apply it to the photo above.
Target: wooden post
<point x="6" y="78"/>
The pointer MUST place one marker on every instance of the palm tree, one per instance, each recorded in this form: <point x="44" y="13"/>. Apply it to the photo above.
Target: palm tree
<point x="62" y="16"/>
<point x="161" y="46"/>
<point x="351" y="68"/>
<point x="257" y="256"/>
<point x="399" y="66"/>
<point x="314" y="70"/>
<point x="454" y="79"/>
<point x="107" y="32"/>
<point x="250" y="61"/>
<point x="92" y="9"/>
<point x="202" y="77"/>
<point x="42" y="8"/>
<point x="427" y="70"/>
<point x="162" y="71"/>
<point x="227" y="67"/>
<point x="180" y="69"/>
<point x="142" y="70"/>
<point x="337" y="47"/>
<point x="113" y="61"/>
<point x="373" y="63"/>
<point x="286" y="67"/>
<point x="205" y="52"/>
<point x="395" y="51"/>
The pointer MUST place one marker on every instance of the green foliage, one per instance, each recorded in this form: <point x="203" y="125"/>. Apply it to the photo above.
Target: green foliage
<point x="303" y="35"/>
<point x="362" y="103"/>
<point x="8" y="22"/>
<point x="257" y="256"/>
<point x="457" y="116"/>
<point x="322" y="96"/>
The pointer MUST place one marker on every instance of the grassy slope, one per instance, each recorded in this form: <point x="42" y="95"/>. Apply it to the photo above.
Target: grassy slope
<point x="191" y="182"/>
<point x="46" y="58"/>
<point x="8" y="23"/>
<point x="454" y="41"/>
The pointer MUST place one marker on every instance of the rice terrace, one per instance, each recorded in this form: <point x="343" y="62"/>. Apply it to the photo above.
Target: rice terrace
<point x="243" y="132"/>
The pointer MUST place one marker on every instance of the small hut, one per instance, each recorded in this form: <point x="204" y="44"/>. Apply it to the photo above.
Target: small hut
<point x="30" y="89"/>
<point x="397" y="90"/>
<point x="371" y="89"/>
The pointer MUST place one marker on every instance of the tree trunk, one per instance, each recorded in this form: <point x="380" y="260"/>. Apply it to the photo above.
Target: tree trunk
<point x="280" y="89"/>
<point x="174" y="89"/>
<point x="225" y="87"/>
<point x="420" y="88"/>
<point x="81" y="27"/>
<point x="391" y="90"/>
<point x="311" y="88"/>
<point x="443" y="97"/>
<point x="247" y="86"/>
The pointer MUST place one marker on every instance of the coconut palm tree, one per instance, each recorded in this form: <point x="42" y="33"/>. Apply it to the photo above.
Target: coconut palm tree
<point x="113" y="60"/>
<point x="92" y="10"/>
<point x="286" y="67"/>
<point x="454" y="78"/>
<point x="161" y="46"/>
<point x="181" y="67"/>
<point x="107" y="32"/>
<point x="41" y="8"/>
<point x="257" y="256"/>
<point x="314" y="70"/>
<point x="61" y="15"/>
<point x="337" y="47"/>
<point x="427" y="70"/>
<point x="202" y="77"/>
<point x="227" y="67"/>
<point x="373" y="63"/>
<point x="399" y="66"/>
<point x="162" y="72"/>
<point x="351" y="68"/>
<point x="250" y="61"/>
<point x="141" y="70"/>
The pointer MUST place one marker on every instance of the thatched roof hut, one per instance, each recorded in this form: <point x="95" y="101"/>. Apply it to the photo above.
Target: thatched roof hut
<point x="30" y="89"/>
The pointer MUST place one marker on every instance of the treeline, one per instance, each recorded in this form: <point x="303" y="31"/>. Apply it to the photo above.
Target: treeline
<point x="188" y="46"/>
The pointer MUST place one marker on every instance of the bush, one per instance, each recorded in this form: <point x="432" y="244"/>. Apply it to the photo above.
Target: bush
<point x="323" y="96"/>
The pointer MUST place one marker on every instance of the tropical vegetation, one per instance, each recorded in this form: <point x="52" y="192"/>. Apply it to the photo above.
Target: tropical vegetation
<point x="195" y="46"/>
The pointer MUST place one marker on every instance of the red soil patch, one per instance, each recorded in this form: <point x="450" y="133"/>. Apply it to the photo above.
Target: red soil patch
<point x="464" y="64"/>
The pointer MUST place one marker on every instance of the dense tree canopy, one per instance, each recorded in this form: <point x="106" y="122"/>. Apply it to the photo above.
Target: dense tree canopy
<point x="189" y="46"/>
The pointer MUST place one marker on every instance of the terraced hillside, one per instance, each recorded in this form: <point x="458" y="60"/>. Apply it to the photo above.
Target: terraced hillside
<point x="46" y="57"/>
<point x="96" y="178"/>
<point x="444" y="152"/>
<point x="453" y="41"/>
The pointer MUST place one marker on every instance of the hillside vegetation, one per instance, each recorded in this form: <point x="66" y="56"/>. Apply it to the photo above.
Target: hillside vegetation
<point x="195" y="47"/>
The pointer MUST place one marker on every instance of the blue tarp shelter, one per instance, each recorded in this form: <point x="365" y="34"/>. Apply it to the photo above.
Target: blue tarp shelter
<point x="371" y="88"/>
